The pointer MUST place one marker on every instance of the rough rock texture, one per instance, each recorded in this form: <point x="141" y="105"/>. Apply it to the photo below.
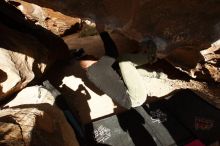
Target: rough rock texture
<point x="51" y="20"/>
<point x="25" y="52"/>
<point x="113" y="12"/>
<point x="207" y="69"/>
<point x="162" y="80"/>
<point x="20" y="63"/>
<point x="32" y="119"/>
<point x="187" y="26"/>
<point x="211" y="63"/>
<point x="93" y="45"/>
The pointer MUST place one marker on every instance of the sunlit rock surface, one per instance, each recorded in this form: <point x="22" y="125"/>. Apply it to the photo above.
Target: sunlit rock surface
<point x="33" y="119"/>
<point x="26" y="50"/>
<point x="211" y="63"/>
<point x="22" y="57"/>
<point x="52" y="20"/>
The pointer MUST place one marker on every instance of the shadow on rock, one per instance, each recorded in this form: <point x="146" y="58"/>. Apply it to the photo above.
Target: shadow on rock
<point x="35" y="124"/>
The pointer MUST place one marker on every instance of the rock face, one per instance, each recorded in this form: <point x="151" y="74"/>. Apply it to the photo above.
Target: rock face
<point x="56" y="22"/>
<point x="20" y="63"/>
<point x="211" y="63"/>
<point x="33" y="119"/>
<point x="205" y="69"/>
<point x="26" y="50"/>
<point x="189" y="30"/>
<point x="186" y="26"/>
<point x="93" y="45"/>
<point x="177" y="22"/>
<point x="162" y="80"/>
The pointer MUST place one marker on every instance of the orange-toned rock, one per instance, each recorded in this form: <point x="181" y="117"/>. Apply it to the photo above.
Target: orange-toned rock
<point x="26" y="50"/>
<point x="186" y="26"/>
<point x="20" y="60"/>
<point x="54" y="21"/>
<point x="211" y="65"/>
<point x="32" y="119"/>
<point x="93" y="45"/>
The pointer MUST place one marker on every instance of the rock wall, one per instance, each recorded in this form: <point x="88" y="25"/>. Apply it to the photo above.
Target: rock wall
<point x="51" y="20"/>
<point x="26" y="50"/>
<point x="32" y="119"/>
<point x="187" y="27"/>
<point x="30" y="43"/>
<point x="20" y="63"/>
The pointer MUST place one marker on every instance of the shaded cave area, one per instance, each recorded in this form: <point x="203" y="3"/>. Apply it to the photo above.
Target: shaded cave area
<point x="52" y="94"/>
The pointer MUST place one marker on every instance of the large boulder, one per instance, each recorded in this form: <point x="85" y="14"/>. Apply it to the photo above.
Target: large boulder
<point x="26" y="50"/>
<point x="54" y="21"/>
<point x="23" y="58"/>
<point x="209" y="69"/>
<point x="178" y="22"/>
<point x="32" y="119"/>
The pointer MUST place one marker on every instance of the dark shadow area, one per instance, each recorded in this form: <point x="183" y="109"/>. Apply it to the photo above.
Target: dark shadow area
<point x="180" y="134"/>
<point x="163" y="66"/>
<point x="14" y="19"/>
<point x="185" y="117"/>
<point x="78" y="98"/>
<point x="125" y="129"/>
<point x="132" y="122"/>
<point x="90" y="136"/>
<point x="81" y="96"/>
<point x="3" y="76"/>
<point x="192" y="116"/>
<point x="7" y="100"/>
<point x="91" y="127"/>
<point x="204" y="75"/>
<point x="153" y="99"/>
<point x="72" y="116"/>
<point x="73" y="29"/>
<point x="20" y="34"/>
<point x="66" y="68"/>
